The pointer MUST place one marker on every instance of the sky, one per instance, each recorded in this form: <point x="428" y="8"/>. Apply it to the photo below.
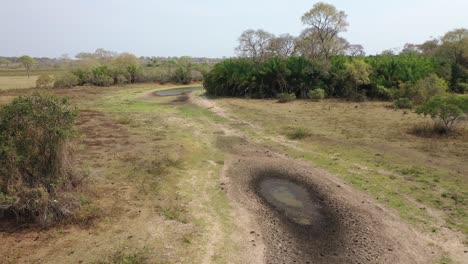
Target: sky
<point x="207" y="28"/>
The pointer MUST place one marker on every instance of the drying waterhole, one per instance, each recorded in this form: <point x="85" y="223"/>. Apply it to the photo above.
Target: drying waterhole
<point x="305" y="215"/>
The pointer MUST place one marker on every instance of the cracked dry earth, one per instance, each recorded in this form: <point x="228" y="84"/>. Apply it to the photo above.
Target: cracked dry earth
<point x="339" y="225"/>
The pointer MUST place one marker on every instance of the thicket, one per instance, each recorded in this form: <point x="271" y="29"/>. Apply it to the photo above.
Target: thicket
<point x="385" y="77"/>
<point x="36" y="180"/>
<point x="110" y="74"/>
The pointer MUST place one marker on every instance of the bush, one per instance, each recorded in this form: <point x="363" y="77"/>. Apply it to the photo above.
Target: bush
<point x="403" y="103"/>
<point x="446" y="109"/>
<point x="120" y="79"/>
<point x="297" y="132"/>
<point x="286" y="97"/>
<point x="358" y="97"/>
<point x="103" y="80"/>
<point x="66" y="80"/>
<point x="36" y="181"/>
<point x="383" y="93"/>
<point x="429" y="87"/>
<point x="317" y="94"/>
<point x="183" y="76"/>
<point x="44" y="81"/>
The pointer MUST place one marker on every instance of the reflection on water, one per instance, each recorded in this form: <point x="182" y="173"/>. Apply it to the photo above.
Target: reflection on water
<point x="178" y="91"/>
<point x="291" y="199"/>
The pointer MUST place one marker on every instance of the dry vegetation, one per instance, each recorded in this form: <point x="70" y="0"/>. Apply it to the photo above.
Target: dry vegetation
<point x="153" y="166"/>
<point x="372" y="146"/>
<point x="17" y="82"/>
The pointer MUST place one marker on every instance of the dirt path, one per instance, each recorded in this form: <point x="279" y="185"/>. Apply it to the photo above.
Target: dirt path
<point x="359" y="230"/>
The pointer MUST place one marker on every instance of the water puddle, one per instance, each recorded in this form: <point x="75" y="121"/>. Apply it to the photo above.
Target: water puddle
<point x="292" y="200"/>
<point x="178" y="91"/>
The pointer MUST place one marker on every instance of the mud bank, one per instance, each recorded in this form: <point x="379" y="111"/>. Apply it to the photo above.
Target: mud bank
<point x="306" y="215"/>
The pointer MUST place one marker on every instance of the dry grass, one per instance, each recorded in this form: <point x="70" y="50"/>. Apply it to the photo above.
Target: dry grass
<point x="372" y="147"/>
<point x="17" y="82"/>
<point x="152" y="194"/>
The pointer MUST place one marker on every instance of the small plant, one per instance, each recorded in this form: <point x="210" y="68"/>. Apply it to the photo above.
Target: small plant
<point x="66" y="80"/>
<point x="317" y="94"/>
<point x="297" y="132"/>
<point x="403" y="103"/>
<point x="36" y="180"/>
<point x="447" y="109"/>
<point x="44" y="81"/>
<point x="286" y="97"/>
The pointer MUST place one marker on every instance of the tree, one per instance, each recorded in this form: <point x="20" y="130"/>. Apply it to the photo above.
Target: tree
<point x="410" y="49"/>
<point x="427" y="88"/>
<point x="429" y="47"/>
<point x="454" y="47"/>
<point x="27" y="62"/>
<point x="283" y="46"/>
<point x="358" y="72"/>
<point x="126" y="60"/>
<point x="447" y="109"/>
<point x="254" y="44"/>
<point x="325" y="22"/>
<point x="356" y="50"/>
<point x="4" y="61"/>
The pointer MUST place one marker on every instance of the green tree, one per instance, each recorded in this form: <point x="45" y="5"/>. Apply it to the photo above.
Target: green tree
<point x="454" y="47"/>
<point x="27" y="62"/>
<point x="325" y="22"/>
<point x="428" y="87"/>
<point x="446" y="109"/>
<point x="358" y="72"/>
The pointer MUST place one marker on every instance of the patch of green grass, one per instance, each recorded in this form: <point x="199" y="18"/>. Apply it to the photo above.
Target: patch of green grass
<point x="296" y="132"/>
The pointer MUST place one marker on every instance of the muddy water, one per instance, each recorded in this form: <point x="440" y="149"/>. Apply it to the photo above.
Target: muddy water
<point x="177" y="91"/>
<point x="291" y="200"/>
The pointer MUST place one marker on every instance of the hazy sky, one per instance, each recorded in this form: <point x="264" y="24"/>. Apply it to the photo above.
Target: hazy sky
<point x="208" y="28"/>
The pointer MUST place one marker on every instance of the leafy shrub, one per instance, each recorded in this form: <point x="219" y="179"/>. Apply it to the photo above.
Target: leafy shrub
<point x="383" y="93"/>
<point x="103" y="80"/>
<point x="427" y="88"/>
<point x="286" y="97"/>
<point x="447" y="109"/>
<point x="120" y="79"/>
<point x="317" y="94"/>
<point x="85" y="76"/>
<point x="44" y="81"/>
<point x="36" y="181"/>
<point x="403" y="103"/>
<point x="182" y="75"/>
<point x="66" y="80"/>
<point x="297" y="132"/>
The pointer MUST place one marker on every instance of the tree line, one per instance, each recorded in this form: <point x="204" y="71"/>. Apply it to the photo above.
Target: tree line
<point x="319" y="58"/>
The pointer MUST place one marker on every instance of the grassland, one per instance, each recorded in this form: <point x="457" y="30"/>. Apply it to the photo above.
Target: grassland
<point x="17" y="82"/>
<point x="370" y="145"/>
<point x="153" y="166"/>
